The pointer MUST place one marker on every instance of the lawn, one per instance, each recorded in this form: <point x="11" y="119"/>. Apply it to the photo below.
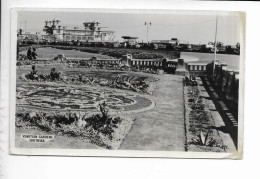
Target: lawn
<point x="50" y="53"/>
<point x="40" y="104"/>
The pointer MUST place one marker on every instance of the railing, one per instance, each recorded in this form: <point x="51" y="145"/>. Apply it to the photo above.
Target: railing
<point x="197" y="68"/>
<point x="225" y="80"/>
<point x="168" y="67"/>
<point x="146" y="63"/>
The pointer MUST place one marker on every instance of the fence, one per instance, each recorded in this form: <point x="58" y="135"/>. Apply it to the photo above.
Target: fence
<point x="196" y="68"/>
<point x="225" y="80"/>
<point x="147" y="63"/>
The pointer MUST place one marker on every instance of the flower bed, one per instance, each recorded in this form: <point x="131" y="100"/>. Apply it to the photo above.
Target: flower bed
<point x="129" y="82"/>
<point x="118" y="53"/>
<point x="101" y="129"/>
<point x="73" y="97"/>
<point x="200" y="135"/>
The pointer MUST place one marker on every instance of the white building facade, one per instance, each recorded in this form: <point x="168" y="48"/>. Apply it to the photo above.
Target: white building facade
<point x="90" y="32"/>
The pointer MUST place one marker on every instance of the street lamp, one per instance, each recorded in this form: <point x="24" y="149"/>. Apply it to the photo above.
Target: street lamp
<point x="215" y="50"/>
<point x="147" y="24"/>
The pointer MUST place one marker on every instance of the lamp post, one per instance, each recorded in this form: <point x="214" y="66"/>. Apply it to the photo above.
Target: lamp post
<point x="147" y="24"/>
<point x="215" y="47"/>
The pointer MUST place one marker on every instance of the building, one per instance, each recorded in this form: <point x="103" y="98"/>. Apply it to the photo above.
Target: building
<point x="89" y="32"/>
<point x="130" y="41"/>
<point x="162" y="44"/>
<point x="173" y="41"/>
<point x="25" y="37"/>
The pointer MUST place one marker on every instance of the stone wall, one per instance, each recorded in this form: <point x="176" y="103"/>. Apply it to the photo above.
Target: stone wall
<point x="196" y="68"/>
<point x="225" y="81"/>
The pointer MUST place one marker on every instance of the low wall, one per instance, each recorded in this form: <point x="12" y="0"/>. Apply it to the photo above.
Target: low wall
<point x="225" y="80"/>
<point x="165" y="64"/>
<point x="196" y="68"/>
<point x="147" y="63"/>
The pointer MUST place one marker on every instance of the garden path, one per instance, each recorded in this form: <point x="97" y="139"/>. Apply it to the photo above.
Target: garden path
<point x="161" y="128"/>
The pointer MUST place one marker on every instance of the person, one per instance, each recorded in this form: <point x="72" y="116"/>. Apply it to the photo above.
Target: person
<point x="29" y="53"/>
<point x="34" y="54"/>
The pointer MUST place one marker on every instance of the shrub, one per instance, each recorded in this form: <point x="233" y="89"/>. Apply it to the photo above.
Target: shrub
<point x="197" y="106"/>
<point x="98" y="128"/>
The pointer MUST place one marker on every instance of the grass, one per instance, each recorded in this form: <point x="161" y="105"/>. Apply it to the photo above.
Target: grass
<point x="140" y="103"/>
<point x="47" y="96"/>
<point x="127" y="81"/>
<point x="118" y="53"/>
<point x="35" y="95"/>
<point x="72" y="131"/>
<point x="51" y="53"/>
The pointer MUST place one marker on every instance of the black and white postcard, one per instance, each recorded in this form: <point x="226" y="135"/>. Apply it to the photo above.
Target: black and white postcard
<point x="127" y="83"/>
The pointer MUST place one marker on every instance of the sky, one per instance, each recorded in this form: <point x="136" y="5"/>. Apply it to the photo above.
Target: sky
<point x="197" y="27"/>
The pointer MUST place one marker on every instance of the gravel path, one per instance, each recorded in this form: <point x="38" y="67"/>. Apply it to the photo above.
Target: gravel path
<point x="161" y="128"/>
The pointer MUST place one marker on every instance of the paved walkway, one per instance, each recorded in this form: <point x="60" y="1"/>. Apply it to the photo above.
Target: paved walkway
<point x="161" y="128"/>
<point x="225" y="123"/>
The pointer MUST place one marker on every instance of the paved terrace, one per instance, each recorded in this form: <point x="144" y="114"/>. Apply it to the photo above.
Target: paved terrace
<point x="161" y="128"/>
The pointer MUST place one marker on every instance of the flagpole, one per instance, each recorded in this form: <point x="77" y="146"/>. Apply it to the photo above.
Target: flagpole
<point x="215" y="48"/>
